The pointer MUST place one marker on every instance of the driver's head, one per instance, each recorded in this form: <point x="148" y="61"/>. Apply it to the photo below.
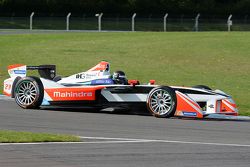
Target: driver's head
<point x="119" y="77"/>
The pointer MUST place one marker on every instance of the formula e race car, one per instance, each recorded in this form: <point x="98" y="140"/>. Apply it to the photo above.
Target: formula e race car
<point x="97" y="88"/>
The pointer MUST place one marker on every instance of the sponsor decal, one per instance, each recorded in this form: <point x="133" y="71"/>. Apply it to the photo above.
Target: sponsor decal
<point x="211" y="106"/>
<point x="19" y="71"/>
<point x="85" y="76"/>
<point x="72" y="94"/>
<point x="191" y="114"/>
<point x="80" y="76"/>
<point x="102" y="81"/>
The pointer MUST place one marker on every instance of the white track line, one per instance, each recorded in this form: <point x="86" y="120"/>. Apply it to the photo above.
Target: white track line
<point x="201" y="143"/>
<point x="164" y="141"/>
<point x="127" y="140"/>
<point x="52" y="143"/>
<point x="108" y="138"/>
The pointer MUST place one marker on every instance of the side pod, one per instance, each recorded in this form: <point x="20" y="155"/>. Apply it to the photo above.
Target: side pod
<point x="186" y="107"/>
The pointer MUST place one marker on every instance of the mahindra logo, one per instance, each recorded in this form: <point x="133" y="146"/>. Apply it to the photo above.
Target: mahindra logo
<point x="73" y="94"/>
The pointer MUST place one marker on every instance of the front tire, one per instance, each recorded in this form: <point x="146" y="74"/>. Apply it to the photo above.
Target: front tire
<point x="161" y="102"/>
<point x="29" y="92"/>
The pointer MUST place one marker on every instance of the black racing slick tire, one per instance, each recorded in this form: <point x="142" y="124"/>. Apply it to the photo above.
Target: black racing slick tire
<point x="202" y="87"/>
<point x="29" y="92"/>
<point x="161" y="102"/>
<point x="13" y="86"/>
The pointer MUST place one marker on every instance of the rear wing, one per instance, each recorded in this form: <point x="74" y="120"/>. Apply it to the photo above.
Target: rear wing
<point x="45" y="71"/>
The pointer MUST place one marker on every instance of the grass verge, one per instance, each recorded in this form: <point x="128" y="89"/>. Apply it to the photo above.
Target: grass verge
<point x="220" y="60"/>
<point x="29" y="137"/>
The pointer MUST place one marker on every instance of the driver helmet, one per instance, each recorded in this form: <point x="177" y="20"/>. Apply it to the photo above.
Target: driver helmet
<point x="119" y="77"/>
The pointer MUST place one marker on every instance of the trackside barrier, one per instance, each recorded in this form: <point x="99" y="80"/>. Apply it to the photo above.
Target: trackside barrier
<point x="165" y="22"/>
<point x="99" y="21"/>
<point x="229" y="22"/>
<point x="31" y="20"/>
<point x="196" y="25"/>
<point x="162" y="23"/>
<point x="133" y="22"/>
<point x="67" y="21"/>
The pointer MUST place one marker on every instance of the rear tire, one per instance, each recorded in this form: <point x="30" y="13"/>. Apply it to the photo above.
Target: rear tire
<point x="29" y="92"/>
<point x="13" y="86"/>
<point x="161" y="102"/>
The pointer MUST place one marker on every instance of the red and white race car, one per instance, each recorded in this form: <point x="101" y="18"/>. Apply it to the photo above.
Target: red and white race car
<point x="97" y="88"/>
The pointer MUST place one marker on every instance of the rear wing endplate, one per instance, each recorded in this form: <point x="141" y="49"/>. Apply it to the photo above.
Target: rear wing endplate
<point x="45" y="71"/>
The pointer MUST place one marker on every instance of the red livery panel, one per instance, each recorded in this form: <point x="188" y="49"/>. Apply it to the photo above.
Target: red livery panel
<point x="73" y="94"/>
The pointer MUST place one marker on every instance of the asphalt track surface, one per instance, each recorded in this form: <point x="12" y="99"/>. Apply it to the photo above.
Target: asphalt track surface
<point x="124" y="140"/>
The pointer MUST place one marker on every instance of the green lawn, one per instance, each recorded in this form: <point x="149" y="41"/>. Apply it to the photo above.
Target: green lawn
<point x="28" y="137"/>
<point x="217" y="59"/>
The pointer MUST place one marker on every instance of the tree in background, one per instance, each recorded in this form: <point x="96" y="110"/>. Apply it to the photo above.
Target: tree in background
<point x="126" y="7"/>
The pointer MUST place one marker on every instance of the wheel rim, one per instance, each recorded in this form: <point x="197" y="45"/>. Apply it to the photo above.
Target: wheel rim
<point x="26" y="93"/>
<point x="160" y="102"/>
